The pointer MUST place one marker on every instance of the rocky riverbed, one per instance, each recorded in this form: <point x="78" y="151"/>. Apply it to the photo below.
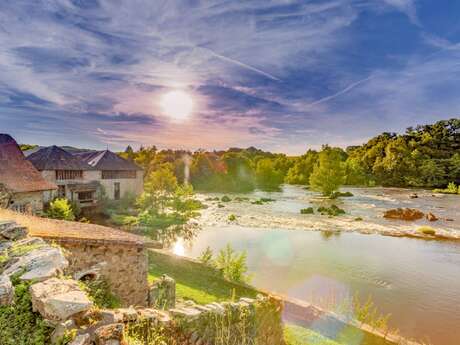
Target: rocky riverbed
<point x="364" y="211"/>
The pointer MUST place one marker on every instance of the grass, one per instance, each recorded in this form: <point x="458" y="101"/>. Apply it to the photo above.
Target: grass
<point x="203" y="285"/>
<point x="195" y="281"/>
<point x="296" y="335"/>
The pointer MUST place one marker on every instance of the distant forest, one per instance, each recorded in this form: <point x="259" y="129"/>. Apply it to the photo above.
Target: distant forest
<point x="424" y="156"/>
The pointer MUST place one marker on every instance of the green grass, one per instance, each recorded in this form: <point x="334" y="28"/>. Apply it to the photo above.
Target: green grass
<point x="195" y="281"/>
<point x="203" y="284"/>
<point x="296" y="335"/>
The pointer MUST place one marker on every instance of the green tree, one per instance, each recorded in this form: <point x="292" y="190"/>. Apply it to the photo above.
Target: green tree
<point x="267" y="176"/>
<point x="329" y="173"/>
<point x="60" y="209"/>
<point x="302" y="168"/>
<point x="232" y="264"/>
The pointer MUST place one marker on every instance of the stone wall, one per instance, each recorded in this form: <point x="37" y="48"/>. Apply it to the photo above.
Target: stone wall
<point x="31" y="202"/>
<point x="123" y="266"/>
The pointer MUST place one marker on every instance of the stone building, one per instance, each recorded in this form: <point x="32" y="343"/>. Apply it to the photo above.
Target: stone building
<point x="83" y="176"/>
<point x="22" y="188"/>
<point x="96" y="251"/>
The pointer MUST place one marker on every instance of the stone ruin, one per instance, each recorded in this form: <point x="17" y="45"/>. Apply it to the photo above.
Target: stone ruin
<point x="66" y="306"/>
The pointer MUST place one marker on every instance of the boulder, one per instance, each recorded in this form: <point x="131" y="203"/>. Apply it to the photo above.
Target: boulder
<point x="6" y="290"/>
<point x="403" y="214"/>
<point x="39" y="264"/>
<point x="413" y="196"/>
<point x="431" y="217"/>
<point x="12" y="231"/>
<point x="59" y="299"/>
<point x="110" y="334"/>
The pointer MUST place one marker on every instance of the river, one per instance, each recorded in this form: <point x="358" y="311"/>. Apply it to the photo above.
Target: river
<point x="417" y="281"/>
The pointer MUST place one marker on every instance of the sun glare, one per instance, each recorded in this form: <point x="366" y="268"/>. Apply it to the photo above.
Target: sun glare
<point x="177" y="105"/>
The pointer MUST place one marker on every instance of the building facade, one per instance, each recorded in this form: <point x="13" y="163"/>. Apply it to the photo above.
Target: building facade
<point x="85" y="177"/>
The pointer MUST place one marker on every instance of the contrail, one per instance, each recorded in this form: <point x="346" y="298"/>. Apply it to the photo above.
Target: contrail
<point x="236" y="62"/>
<point x="341" y="92"/>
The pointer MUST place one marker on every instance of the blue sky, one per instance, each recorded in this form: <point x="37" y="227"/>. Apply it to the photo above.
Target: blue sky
<point x="280" y="75"/>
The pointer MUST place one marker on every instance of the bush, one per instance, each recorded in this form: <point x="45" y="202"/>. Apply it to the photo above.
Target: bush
<point x="232" y="264"/>
<point x="338" y="194"/>
<point x="308" y="210"/>
<point x="60" y="209"/>
<point x="19" y="324"/>
<point x="99" y="292"/>
<point x="232" y="218"/>
<point x="426" y="230"/>
<point x="225" y="198"/>
<point x="206" y="256"/>
<point x="331" y="211"/>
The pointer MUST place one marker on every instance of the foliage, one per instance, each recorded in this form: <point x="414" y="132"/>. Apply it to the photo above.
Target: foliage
<point x="19" y="324"/>
<point x="308" y="210"/>
<point x="232" y="217"/>
<point x="302" y="168"/>
<point x="225" y="198"/>
<point x="267" y="175"/>
<point x="25" y="147"/>
<point x="329" y="173"/>
<point x="232" y="264"/>
<point x="60" y="209"/>
<point x="206" y="257"/>
<point x="333" y="210"/>
<point x="99" y="292"/>
<point x="338" y="194"/>
<point x="452" y="188"/>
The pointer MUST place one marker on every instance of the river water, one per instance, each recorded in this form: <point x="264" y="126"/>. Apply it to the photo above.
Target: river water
<point x="416" y="281"/>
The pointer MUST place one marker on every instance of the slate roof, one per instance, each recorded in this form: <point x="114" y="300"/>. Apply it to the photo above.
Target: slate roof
<point x="107" y="160"/>
<point x="16" y="173"/>
<point x="56" y="158"/>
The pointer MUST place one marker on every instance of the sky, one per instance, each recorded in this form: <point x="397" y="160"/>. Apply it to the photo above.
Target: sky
<point x="280" y="75"/>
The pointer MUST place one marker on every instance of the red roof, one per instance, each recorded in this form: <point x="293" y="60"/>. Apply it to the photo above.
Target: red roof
<point x="16" y="173"/>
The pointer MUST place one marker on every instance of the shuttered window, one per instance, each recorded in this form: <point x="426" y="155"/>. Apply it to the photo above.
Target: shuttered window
<point x="69" y="174"/>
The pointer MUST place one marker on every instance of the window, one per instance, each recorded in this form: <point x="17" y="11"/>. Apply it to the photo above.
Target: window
<point x="85" y="196"/>
<point x="69" y="174"/>
<point x="61" y="191"/>
<point x="118" y="174"/>
<point x="116" y="195"/>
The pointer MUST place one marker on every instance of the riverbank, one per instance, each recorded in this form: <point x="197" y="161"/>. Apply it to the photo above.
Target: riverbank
<point x="305" y="323"/>
<point x="364" y="212"/>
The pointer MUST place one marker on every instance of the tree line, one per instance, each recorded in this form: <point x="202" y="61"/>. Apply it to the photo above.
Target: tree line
<point x="424" y="156"/>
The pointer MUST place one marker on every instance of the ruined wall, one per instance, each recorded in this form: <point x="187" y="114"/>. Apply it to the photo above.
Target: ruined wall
<point x="123" y="266"/>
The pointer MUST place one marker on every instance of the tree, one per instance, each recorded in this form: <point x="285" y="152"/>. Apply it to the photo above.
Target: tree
<point x="300" y="172"/>
<point x="329" y="173"/>
<point x="232" y="264"/>
<point x="60" y="209"/>
<point x="267" y="176"/>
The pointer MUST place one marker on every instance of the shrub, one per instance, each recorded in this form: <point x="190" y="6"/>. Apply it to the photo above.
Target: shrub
<point x="308" y="210"/>
<point x="206" y="256"/>
<point x="358" y="219"/>
<point x="19" y="324"/>
<point x="99" y="292"/>
<point x="427" y="230"/>
<point x="331" y="211"/>
<point x="339" y="194"/>
<point x="60" y="209"/>
<point x="232" y="218"/>
<point x="232" y="264"/>
<point x="225" y="198"/>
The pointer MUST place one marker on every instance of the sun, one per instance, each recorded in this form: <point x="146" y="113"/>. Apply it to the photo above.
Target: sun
<point x="177" y="105"/>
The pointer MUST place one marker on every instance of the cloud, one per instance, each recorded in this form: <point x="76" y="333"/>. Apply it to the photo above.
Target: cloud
<point x="406" y="6"/>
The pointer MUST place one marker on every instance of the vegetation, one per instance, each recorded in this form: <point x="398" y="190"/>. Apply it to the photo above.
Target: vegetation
<point x="60" y="209"/>
<point x="18" y="323"/>
<point x="296" y="335"/>
<point x="329" y="172"/>
<point x="452" y="188"/>
<point x="308" y="210"/>
<point x="200" y="283"/>
<point x="331" y="211"/>
<point x="99" y="292"/>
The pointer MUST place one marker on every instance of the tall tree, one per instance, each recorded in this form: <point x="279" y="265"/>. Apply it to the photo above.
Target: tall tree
<point x="329" y="173"/>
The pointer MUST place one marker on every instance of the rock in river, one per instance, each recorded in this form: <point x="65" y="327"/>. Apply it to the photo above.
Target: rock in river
<point x="403" y="214"/>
